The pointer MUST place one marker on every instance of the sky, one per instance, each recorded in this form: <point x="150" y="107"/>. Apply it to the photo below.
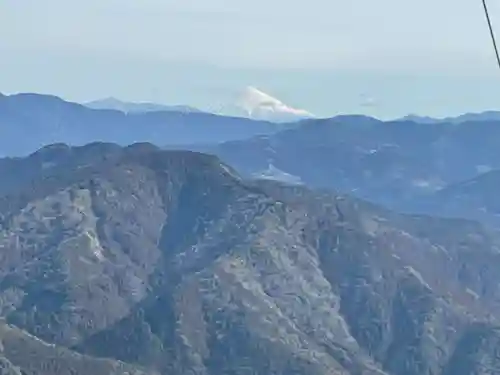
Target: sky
<point x="385" y="58"/>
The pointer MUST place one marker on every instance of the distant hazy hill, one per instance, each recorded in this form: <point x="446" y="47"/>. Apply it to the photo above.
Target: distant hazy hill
<point x="169" y="261"/>
<point x="29" y="121"/>
<point x="128" y="107"/>
<point x="468" y="117"/>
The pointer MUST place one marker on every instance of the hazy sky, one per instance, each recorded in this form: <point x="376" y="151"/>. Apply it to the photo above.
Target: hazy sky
<point x="384" y="57"/>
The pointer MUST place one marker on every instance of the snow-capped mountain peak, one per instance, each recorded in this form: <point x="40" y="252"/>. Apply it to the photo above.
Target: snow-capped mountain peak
<point x="256" y="104"/>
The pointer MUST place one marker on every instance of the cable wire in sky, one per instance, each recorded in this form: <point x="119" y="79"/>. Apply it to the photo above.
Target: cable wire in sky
<point x="493" y="39"/>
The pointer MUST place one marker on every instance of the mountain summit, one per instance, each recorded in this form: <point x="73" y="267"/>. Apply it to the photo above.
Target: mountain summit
<point x="256" y="104"/>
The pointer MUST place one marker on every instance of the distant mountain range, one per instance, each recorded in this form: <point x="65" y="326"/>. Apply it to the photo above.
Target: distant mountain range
<point x="147" y="262"/>
<point x="255" y="104"/>
<point x="30" y="121"/>
<point x="250" y="103"/>
<point x="468" y="117"/>
<point x="129" y="107"/>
